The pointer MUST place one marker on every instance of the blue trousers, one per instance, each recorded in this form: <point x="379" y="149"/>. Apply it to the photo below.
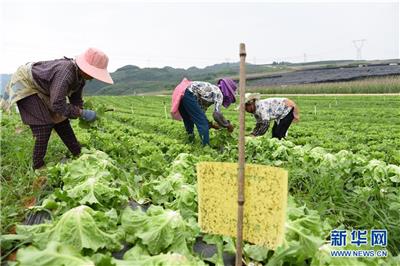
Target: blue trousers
<point x="192" y="114"/>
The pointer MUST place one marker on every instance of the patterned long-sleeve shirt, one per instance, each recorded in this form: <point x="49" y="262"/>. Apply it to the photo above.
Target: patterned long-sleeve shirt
<point x="267" y="110"/>
<point x="61" y="79"/>
<point x="208" y="94"/>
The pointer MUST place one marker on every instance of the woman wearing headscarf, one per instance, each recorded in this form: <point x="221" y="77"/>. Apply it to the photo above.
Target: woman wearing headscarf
<point x="196" y="97"/>
<point x="281" y="110"/>
<point x="40" y="90"/>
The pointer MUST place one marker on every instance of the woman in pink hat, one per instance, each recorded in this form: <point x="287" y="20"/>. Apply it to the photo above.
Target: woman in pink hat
<point x="191" y="99"/>
<point x="40" y="90"/>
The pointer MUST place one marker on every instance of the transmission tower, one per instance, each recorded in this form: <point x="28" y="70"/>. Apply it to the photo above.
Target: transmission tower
<point x="359" y="45"/>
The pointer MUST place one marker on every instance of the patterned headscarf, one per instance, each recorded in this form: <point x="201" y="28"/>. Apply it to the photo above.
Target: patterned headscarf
<point x="228" y="89"/>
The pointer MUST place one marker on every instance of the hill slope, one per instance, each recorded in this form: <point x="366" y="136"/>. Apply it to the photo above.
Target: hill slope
<point x="132" y="79"/>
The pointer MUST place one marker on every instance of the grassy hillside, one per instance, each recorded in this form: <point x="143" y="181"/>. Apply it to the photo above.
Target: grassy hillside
<point x="132" y="79"/>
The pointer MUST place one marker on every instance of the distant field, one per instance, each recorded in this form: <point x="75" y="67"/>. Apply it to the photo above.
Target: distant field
<point x="370" y="85"/>
<point x="325" y="75"/>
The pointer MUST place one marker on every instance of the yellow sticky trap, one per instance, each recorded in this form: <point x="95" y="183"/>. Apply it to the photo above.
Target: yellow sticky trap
<point x="265" y="201"/>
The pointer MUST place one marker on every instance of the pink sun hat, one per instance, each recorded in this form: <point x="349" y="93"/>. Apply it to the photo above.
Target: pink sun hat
<point x="94" y="63"/>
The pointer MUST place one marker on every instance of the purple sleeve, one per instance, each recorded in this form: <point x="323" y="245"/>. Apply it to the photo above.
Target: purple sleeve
<point x="59" y="88"/>
<point x="76" y="98"/>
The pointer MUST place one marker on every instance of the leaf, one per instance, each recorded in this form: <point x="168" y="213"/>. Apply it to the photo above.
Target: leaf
<point x="10" y="240"/>
<point x="394" y="173"/>
<point x="304" y="235"/>
<point x="255" y="252"/>
<point x="77" y="227"/>
<point x="159" y="230"/>
<point x="217" y="240"/>
<point x="185" y="201"/>
<point x="170" y="259"/>
<point x="54" y="254"/>
<point x="100" y="110"/>
<point x="95" y="190"/>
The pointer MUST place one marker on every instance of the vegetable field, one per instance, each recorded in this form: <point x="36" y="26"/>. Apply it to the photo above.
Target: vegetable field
<point x="131" y="197"/>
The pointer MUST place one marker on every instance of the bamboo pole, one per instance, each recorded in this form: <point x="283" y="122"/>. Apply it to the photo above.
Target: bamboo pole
<point x="242" y="85"/>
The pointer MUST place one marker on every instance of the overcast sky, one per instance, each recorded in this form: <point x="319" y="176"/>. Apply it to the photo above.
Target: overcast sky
<point x="195" y="34"/>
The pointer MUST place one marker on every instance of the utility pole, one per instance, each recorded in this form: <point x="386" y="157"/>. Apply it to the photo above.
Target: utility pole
<point x="359" y="45"/>
<point x="305" y="58"/>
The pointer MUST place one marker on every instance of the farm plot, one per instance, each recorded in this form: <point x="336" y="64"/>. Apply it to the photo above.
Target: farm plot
<point x="134" y="187"/>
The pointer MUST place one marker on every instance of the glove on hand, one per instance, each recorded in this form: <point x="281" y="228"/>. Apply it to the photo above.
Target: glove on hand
<point x="88" y="115"/>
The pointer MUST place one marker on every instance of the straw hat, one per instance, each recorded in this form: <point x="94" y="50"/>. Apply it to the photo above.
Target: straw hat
<point x="94" y="63"/>
<point x="249" y="97"/>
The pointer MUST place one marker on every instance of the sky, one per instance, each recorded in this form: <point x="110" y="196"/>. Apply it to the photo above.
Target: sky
<point x="193" y="33"/>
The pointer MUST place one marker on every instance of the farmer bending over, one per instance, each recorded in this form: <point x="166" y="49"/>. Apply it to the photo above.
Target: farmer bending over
<point x="282" y="110"/>
<point x="190" y="101"/>
<point x="40" y="90"/>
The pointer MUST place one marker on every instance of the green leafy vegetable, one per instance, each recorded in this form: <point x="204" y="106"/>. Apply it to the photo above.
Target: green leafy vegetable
<point x="159" y="230"/>
<point x="77" y="227"/>
<point x="54" y="254"/>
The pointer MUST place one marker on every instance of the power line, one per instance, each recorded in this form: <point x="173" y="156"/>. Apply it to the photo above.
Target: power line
<point x="359" y="45"/>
